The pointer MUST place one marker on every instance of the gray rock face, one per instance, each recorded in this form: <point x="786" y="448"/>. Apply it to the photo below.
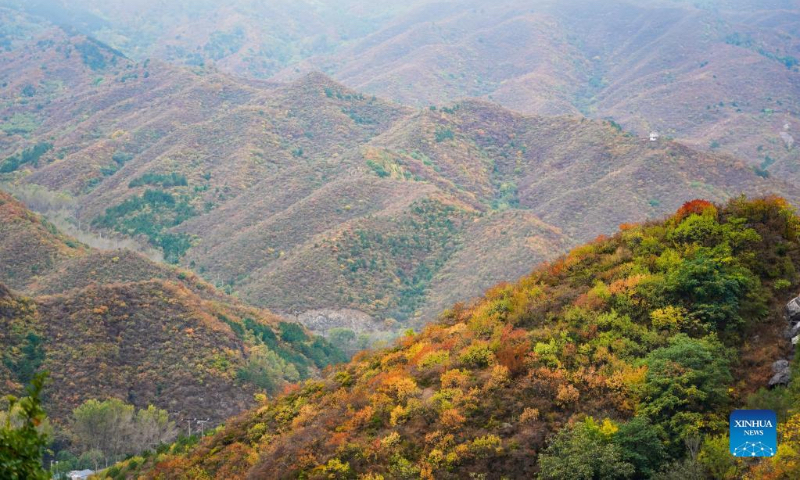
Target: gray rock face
<point x="782" y="373"/>
<point x="793" y="310"/>
<point x="794" y="330"/>
<point x="322" y="320"/>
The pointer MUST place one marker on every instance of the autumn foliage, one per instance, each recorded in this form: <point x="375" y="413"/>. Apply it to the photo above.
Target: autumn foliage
<point x="605" y="364"/>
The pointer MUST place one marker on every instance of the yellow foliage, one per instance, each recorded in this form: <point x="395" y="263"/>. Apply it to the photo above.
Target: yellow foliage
<point x="436" y="357"/>
<point x="477" y="354"/>
<point x="608" y="428"/>
<point x="401" y="387"/>
<point x="529" y="415"/>
<point x="567" y="394"/>
<point x="363" y="416"/>
<point x="627" y="285"/>
<point x="304" y="416"/>
<point x="390" y="440"/>
<point x="454" y="378"/>
<point x="486" y="445"/>
<point x="398" y="415"/>
<point x="499" y="377"/>
<point x="415" y="349"/>
<point x="668" y="318"/>
<point x="790" y="430"/>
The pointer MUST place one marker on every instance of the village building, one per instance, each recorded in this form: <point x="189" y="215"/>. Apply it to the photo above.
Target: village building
<point x="80" y="474"/>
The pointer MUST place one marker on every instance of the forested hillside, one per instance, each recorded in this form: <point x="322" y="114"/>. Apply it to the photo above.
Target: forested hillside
<point x="309" y="195"/>
<point x="621" y="359"/>
<point x="113" y="324"/>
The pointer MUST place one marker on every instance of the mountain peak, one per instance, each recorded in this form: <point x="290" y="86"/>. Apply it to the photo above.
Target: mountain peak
<point x="316" y="79"/>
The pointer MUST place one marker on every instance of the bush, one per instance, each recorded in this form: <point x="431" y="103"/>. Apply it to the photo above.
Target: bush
<point x="443" y="134"/>
<point x="583" y="452"/>
<point x="29" y="156"/>
<point x="158" y="179"/>
<point x="22" y="442"/>
<point x="477" y="355"/>
<point x="292" y="332"/>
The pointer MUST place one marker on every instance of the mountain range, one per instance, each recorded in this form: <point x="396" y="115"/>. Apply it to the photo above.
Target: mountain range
<point x="719" y="75"/>
<point x="309" y="196"/>
<point x="573" y="219"/>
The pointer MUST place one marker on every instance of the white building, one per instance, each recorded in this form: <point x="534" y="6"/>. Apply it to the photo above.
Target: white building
<point x="654" y="136"/>
<point x="80" y="474"/>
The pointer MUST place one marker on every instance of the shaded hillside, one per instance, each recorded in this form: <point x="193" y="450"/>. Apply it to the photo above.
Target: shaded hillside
<point x="309" y="195"/>
<point x="600" y="364"/>
<point x="115" y="324"/>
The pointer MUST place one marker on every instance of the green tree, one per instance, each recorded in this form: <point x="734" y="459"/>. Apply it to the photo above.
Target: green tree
<point x="712" y="289"/>
<point x="111" y="429"/>
<point x="685" y="381"/>
<point x="267" y="370"/>
<point x="152" y="427"/>
<point x="716" y="459"/>
<point x="292" y="332"/>
<point x="641" y="446"/>
<point x="584" y="452"/>
<point x="22" y="440"/>
<point x="105" y="426"/>
<point x="343" y="338"/>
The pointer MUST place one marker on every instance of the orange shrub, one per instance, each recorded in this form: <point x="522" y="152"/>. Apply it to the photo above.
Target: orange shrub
<point x="693" y="207"/>
<point x="452" y="419"/>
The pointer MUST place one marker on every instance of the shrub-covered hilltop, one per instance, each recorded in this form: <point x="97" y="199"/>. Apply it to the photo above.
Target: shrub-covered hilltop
<point x="622" y="359"/>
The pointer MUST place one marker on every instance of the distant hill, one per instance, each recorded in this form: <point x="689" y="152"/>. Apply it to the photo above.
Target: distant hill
<point x="309" y="195"/>
<point x="719" y="75"/>
<point x="605" y="363"/>
<point x="115" y="324"/>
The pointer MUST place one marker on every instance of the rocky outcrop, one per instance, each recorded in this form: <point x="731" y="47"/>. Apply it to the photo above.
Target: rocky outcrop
<point x="322" y="320"/>
<point x="793" y="310"/>
<point x="781" y="373"/>
<point x="793" y="315"/>
<point x="781" y="369"/>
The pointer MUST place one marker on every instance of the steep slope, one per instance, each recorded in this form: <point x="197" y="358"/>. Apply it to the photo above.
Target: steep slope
<point x="598" y="365"/>
<point x="115" y="324"/>
<point x="35" y="257"/>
